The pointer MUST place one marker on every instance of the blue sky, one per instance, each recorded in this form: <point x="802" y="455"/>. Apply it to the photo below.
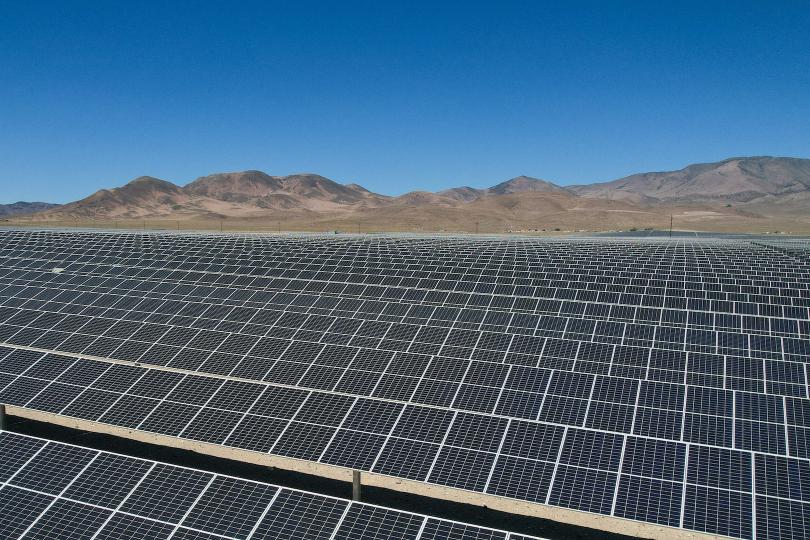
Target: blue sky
<point x="394" y="96"/>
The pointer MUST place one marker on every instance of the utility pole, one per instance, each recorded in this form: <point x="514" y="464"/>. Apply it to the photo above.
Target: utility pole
<point x="476" y="227"/>
<point x="670" y="225"/>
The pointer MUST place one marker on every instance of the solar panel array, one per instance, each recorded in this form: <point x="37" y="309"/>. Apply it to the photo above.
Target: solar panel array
<point x="656" y="380"/>
<point x="51" y="490"/>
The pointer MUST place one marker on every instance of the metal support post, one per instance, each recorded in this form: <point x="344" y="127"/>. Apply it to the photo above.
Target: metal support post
<point x="356" y="486"/>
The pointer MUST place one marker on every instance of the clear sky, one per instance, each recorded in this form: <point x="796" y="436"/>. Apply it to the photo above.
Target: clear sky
<point x="395" y="96"/>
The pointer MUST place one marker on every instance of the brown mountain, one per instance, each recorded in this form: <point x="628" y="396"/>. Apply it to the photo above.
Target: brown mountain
<point x="523" y="184"/>
<point x="144" y="196"/>
<point x="247" y="193"/>
<point x="424" y="198"/>
<point x="310" y="191"/>
<point x="734" y="180"/>
<point x="520" y="184"/>
<point x="239" y="186"/>
<point x="462" y="194"/>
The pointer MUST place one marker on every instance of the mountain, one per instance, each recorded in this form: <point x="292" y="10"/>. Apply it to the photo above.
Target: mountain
<point x="22" y="208"/>
<point x="142" y="197"/>
<point x="294" y="191"/>
<point x="762" y="192"/>
<point x="734" y="180"/>
<point x="423" y="198"/>
<point x="219" y="195"/>
<point x="239" y="186"/>
<point x="523" y="184"/>
<point x="519" y="184"/>
<point x="463" y="193"/>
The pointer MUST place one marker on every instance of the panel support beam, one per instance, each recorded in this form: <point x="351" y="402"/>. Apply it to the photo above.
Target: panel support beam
<point x="356" y="486"/>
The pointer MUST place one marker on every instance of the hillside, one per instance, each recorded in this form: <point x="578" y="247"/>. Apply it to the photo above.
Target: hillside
<point x="734" y="180"/>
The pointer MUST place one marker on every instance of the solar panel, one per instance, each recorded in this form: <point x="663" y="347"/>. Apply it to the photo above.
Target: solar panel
<point x="519" y="368"/>
<point x="52" y="490"/>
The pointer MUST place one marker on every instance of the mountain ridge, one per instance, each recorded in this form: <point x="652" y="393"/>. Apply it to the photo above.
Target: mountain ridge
<point x="751" y="186"/>
<point x="23" y="208"/>
<point x="738" y="179"/>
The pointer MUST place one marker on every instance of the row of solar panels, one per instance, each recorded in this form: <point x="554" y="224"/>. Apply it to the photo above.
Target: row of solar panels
<point x="512" y="246"/>
<point x="471" y="279"/>
<point x="528" y="296"/>
<point x="146" y="319"/>
<point x="630" y="476"/>
<point x="51" y="490"/>
<point x="552" y="300"/>
<point x="798" y="249"/>
<point x="253" y="356"/>
<point x="548" y="315"/>
<point x="380" y="320"/>
<point x="109" y="292"/>
<point x="482" y="250"/>
<point x="487" y="356"/>
<point x="355" y="271"/>
<point x="724" y="418"/>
